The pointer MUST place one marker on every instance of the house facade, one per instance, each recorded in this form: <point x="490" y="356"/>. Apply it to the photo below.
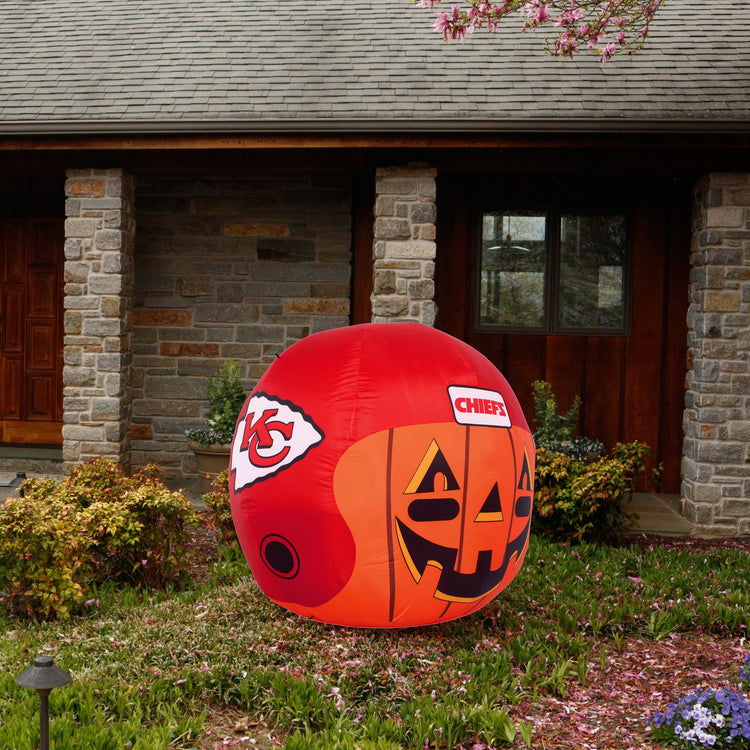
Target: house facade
<point x="179" y="187"/>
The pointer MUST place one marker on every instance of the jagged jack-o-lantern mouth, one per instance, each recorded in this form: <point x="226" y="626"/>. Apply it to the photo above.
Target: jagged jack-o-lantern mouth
<point x="454" y="586"/>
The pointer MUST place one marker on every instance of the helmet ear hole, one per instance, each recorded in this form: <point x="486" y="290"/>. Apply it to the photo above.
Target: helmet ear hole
<point x="279" y="555"/>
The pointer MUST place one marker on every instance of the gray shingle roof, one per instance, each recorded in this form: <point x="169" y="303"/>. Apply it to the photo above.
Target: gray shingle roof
<point x="168" y="65"/>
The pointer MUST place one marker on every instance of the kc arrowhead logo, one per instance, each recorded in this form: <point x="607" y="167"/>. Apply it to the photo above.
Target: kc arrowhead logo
<point x="271" y="435"/>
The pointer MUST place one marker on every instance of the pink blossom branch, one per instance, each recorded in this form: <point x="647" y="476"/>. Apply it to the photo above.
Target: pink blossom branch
<point x="604" y="27"/>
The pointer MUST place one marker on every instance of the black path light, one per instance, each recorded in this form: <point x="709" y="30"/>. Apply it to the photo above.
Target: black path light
<point x="43" y="677"/>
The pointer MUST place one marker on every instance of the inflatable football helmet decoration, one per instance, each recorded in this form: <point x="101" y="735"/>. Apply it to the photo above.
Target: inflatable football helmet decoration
<point x="382" y="476"/>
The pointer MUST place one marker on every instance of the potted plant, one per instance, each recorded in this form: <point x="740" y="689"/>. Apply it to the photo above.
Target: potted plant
<point x="212" y="444"/>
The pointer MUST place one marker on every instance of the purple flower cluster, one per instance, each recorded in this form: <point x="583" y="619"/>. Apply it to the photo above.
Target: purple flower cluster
<point x="707" y="718"/>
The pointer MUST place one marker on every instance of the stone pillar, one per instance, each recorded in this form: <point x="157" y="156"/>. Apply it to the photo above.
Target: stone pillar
<point x="404" y="252"/>
<point x="716" y="455"/>
<point x="99" y="244"/>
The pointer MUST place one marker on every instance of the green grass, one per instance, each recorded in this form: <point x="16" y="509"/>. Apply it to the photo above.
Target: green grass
<point x="148" y="671"/>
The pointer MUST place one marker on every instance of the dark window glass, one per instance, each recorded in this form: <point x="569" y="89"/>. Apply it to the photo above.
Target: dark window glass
<point x="544" y="271"/>
<point x="513" y="270"/>
<point x="592" y="272"/>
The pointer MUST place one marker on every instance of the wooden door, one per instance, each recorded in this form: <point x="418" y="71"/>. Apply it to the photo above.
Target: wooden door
<point x="632" y="386"/>
<point x="31" y="261"/>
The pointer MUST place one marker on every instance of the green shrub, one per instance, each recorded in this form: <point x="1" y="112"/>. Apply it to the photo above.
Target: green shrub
<point x="96" y="525"/>
<point x="43" y="549"/>
<point x="552" y="427"/>
<point x="579" y="501"/>
<point x="578" y="488"/>
<point x="218" y="503"/>
<point x="226" y="397"/>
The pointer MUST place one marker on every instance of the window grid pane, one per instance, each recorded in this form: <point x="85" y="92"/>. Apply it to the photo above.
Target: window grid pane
<point x="591" y="292"/>
<point x="552" y="272"/>
<point x="513" y="270"/>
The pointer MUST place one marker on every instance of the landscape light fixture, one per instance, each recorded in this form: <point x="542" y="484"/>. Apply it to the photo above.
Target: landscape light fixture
<point x="43" y="677"/>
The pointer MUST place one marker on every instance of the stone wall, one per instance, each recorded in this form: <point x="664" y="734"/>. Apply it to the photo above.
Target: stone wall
<point x="716" y="462"/>
<point x="405" y="248"/>
<point x="228" y="268"/>
<point x="99" y="243"/>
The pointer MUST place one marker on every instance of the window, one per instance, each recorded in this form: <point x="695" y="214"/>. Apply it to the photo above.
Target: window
<point x="553" y="272"/>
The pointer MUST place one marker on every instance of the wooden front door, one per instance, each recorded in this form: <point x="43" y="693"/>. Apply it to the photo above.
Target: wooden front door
<point x="31" y="261"/>
<point x="632" y="385"/>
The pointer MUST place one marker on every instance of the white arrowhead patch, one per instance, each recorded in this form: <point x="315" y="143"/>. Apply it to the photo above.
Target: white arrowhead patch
<point x="271" y="435"/>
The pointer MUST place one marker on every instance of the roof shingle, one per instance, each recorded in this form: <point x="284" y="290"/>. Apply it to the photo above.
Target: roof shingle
<point x="85" y="65"/>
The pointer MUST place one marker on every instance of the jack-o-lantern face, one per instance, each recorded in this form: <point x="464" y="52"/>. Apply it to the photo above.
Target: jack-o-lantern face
<point x="451" y="506"/>
<point x="460" y="529"/>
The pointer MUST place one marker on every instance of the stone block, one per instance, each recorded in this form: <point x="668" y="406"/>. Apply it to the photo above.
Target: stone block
<point x="229" y="292"/>
<point x="724" y="301"/>
<point x="423" y="213"/>
<point x="286" y="250"/>
<point x="720" y="452"/>
<point x="400" y="186"/>
<point x="195" y="286"/>
<point x="385" y="205"/>
<point x="101" y="327"/>
<point x="384" y="282"/>
<point x="255" y="229"/>
<point x="141" y="432"/>
<point x="218" y="313"/>
<point x="329" y="291"/>
<point x="109" y="362"/>
<point x="114" y="384"/>
<point x="423" y="289"/>
<point x="106" y="409"/>
<point x="162" y="318"/>
<point x="114" y="262"/>
<point x="427" y="189"/>
<point x="301" y="306"/>
<point x="174" y="349"/>
<point x="78" y="376"/>
<point x="725" y="216"/>
<point x="387" y="228"/>
<point x="105" y="284"/>
<point x="421" y="249"/>
<point x="89" y="187"/>
<point x="72" y="322"/>
<point x="260" y="333"/>
<point x="390" y="306"/>
<point x="73" y="249"/>
<point x="736" y="508"/>
<point x="80" y="228"/>
<point x="83" y="433"/>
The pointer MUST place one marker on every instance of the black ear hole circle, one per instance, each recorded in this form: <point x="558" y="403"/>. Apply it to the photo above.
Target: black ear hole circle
<point x="279" y="555"/>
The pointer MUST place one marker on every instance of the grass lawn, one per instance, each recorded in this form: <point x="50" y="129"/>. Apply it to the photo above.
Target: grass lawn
<point x="581" y="649"/>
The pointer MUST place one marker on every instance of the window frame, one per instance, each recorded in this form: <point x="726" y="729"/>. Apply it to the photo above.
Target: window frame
<point x="551" y="296"/>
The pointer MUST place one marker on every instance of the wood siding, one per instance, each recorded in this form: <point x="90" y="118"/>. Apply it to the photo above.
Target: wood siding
<point x="632" y="386"/>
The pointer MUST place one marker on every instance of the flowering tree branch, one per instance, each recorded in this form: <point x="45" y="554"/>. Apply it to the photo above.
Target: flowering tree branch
<point x="605" y="27"/>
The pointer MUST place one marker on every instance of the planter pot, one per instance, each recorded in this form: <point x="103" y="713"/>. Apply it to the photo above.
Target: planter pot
<point x="211" y="460"/>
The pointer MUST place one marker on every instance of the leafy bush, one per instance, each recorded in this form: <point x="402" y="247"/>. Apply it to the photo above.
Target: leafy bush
<point x="226" y="397"/>
<point x="553" y="427"/>
<point x="579" y="501"/>
<point x="96" y="525"/>
<point x="579" y="489"/>
<point x="43" y="549"/>
<point x="218" y="502"/>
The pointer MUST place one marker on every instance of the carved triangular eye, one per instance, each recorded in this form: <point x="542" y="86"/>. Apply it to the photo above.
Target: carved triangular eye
<point x="491" y="510"/>
<point x="432" y="465"/>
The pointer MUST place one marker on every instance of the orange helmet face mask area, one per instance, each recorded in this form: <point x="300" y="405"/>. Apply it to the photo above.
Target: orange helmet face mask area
<point x="405" y="500"/>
